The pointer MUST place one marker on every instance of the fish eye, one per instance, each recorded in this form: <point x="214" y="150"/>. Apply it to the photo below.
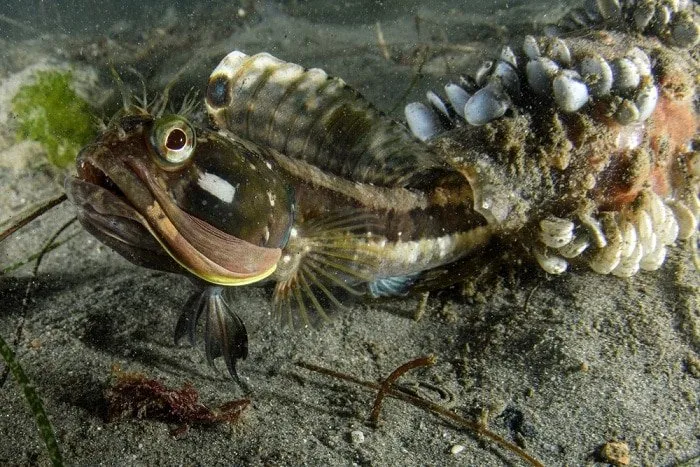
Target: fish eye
<point x="173" y="140"/>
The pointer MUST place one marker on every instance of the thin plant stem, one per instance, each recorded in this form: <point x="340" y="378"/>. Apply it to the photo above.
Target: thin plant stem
<point x="34" y="401"/>
<point x="28" y="216"/>
<point x="27" y="291"/>
<point x="428" y="406"/>
<point x="391" y="379"/>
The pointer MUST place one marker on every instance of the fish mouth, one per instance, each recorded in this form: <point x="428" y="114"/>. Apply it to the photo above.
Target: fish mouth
<point x="105" y="212"/>
<point x="124" y="205"/>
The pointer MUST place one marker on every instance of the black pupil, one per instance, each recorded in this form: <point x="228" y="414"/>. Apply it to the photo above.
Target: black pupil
<point x="176" y="140"/>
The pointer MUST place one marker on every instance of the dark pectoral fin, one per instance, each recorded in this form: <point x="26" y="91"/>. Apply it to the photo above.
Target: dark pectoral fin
<point x="225" y="334"/>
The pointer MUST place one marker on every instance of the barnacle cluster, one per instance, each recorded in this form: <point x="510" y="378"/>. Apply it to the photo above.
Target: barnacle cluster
<point x="598" y="131"/>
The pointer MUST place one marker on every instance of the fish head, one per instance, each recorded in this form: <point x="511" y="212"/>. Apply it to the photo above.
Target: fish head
<point x="170" y="196"/>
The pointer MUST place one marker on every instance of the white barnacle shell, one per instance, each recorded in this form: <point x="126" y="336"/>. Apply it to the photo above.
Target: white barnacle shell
<point x="484" y="72"/>
<point x="531" y="48"/>
<point x="597" y="74"/>
<point x="488" y="103"/>
<point x="625" y="74"/>
<point x="540" y="73"/>
<point x="629" y="265"/>
<point x="668" y="231"/>
<point x="559" y="52"/>
<point x="458" y="97"/>
<point x="576" y="246"/>
<point x="556" y="232"/>
<point x="422" y="121"/>
<point x="508" y="56"/>
<point x="609" y="9"/>
<point x="641" y="59"/>
<point x="551" y="263"/>
<point x="437" y="103"/>
<point x="627" y="112"/>
<point x="570" y="93"/>
<point x="653" y="260"/>
<point x="645" y="231"/>
<point x="594" y="230"/>
<point x="607" y="258"/>
<point x="629" y="238"/>
<point x="646" y="99"/>
<point x="687" y="221"/>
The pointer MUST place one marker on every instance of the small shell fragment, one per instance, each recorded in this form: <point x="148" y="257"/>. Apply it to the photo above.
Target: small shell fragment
<point x="647" y="97"/>
<point x="627" y="112"/>
<point x="508" y="56"/>
<point x="559" y="52"/>
<point x="437" y="103"/>
<point x="484" y="72"/>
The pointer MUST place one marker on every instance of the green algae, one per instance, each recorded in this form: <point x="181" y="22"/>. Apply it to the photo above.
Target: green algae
<point x="50" y="112"/>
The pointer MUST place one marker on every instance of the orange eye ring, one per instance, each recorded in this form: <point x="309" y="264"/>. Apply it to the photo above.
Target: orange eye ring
<point x="173" y="140"/>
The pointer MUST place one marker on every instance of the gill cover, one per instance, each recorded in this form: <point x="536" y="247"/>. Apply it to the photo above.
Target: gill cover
<point x="220" y="209"/>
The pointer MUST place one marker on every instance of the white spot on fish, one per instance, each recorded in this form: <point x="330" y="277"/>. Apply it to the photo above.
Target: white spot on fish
<point x="272" y="198"/>
<point x="269" y="166"/>
<point x="217" y="186"/>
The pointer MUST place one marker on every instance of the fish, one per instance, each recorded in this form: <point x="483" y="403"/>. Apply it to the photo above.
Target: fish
<point x="573" y="152"/>
<point x="348" y="204"/>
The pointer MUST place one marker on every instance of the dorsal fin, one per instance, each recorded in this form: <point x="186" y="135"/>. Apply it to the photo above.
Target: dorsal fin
<point x="308" y="115"/>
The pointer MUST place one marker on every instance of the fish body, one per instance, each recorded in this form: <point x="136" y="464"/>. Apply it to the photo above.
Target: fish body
<point x="580" y="151"/>
<point x="230" y="208"/>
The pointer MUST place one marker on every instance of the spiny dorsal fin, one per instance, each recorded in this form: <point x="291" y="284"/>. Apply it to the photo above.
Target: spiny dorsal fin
<point x="308" y="115"/>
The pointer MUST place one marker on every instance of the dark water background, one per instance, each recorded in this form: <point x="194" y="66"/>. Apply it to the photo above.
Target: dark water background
<point x="26" y="19"/>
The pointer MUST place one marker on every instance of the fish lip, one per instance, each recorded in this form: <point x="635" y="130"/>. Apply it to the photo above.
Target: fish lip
<point x="94" y="188"/>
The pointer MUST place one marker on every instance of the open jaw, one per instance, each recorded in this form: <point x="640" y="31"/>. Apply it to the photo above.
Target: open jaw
<point x="122" y="202"/>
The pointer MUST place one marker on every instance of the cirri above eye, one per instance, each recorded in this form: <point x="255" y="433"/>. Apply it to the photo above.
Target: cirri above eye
<point x="173" y="140"/>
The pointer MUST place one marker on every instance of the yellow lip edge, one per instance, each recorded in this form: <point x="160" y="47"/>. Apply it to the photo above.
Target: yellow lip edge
<point x="212" y="278"/>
